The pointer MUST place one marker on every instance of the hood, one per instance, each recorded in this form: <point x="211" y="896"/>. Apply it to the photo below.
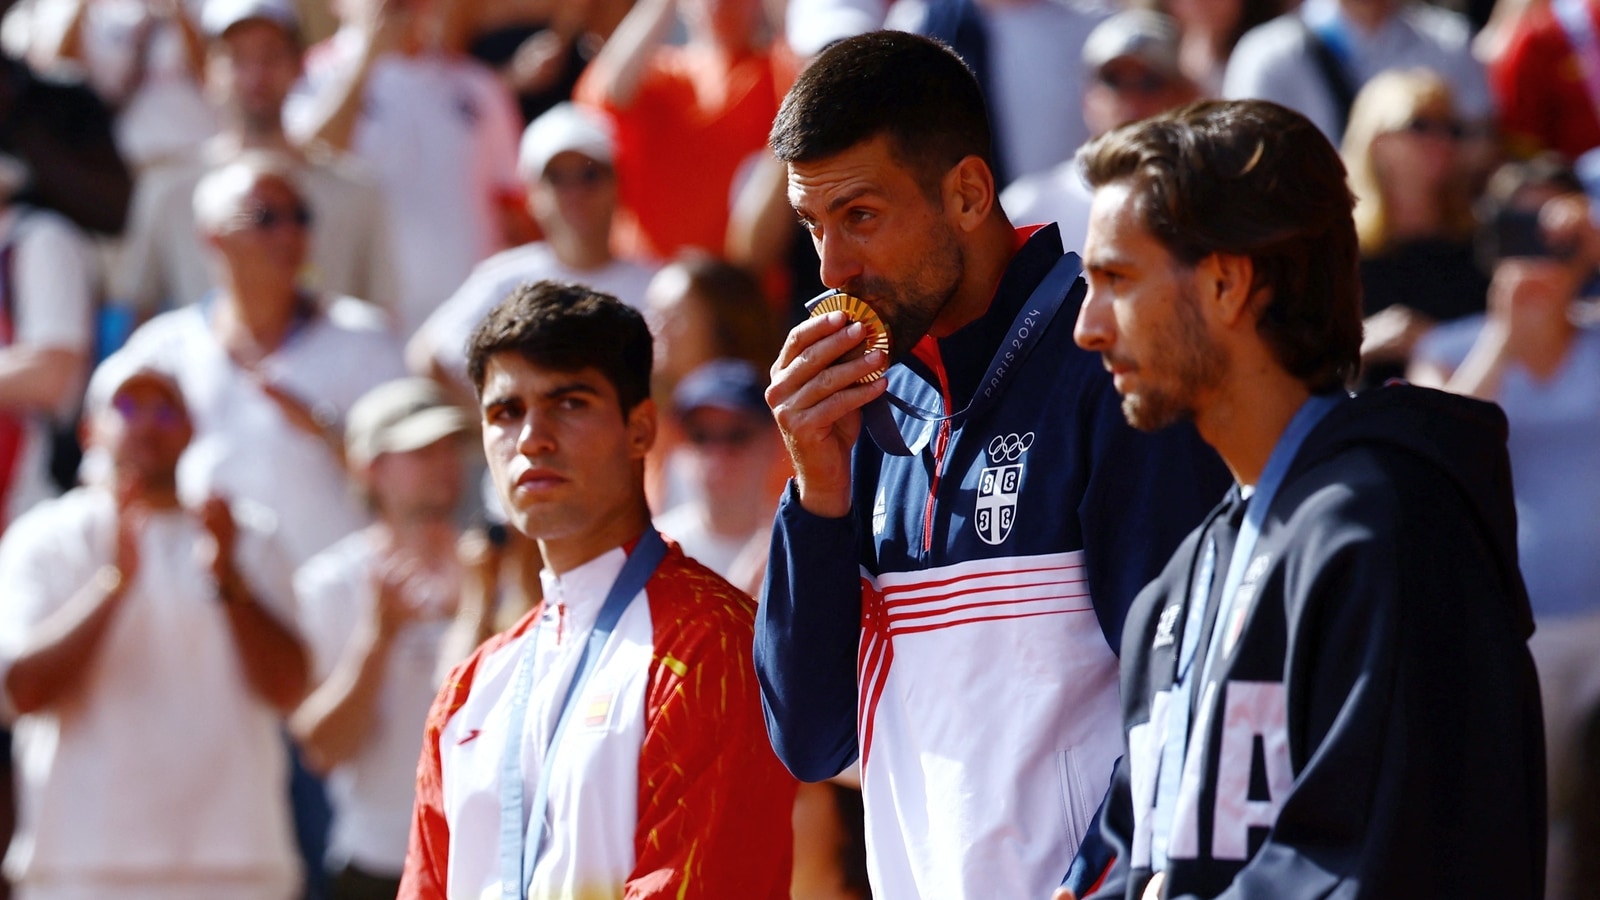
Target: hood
<point x="1460" y="436"/>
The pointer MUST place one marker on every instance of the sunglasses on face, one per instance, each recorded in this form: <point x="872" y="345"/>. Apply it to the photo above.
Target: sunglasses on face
<point x="1432" y="126"/>
<point x="730" y="438"/>
<point x="162" y="413"/>
<point x="587" y="176"/>
<point x="1143" y="82"/>
<point x="267" y="218"/>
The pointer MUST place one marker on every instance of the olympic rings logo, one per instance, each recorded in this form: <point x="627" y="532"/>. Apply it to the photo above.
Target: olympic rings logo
<point x="1007" y="447"/>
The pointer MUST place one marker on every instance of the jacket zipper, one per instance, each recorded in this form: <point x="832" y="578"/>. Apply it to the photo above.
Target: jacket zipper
<point x="941" y="443"/>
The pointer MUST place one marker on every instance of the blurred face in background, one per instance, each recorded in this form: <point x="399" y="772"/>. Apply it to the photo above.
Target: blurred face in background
<point x="1126" y="89"/>
<point x="250" y="71"/>
<point x="144" y="432"/>
<point x="1423" y="151"/>
<point x="419" y="485"/>
<point x="575" y="198"/>
<point x="680" y="319"/>
<point x="266" y="235"/>
<point x="732" y="454"/>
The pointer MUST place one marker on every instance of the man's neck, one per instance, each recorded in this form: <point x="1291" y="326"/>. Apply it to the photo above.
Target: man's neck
<point x="578" y="254"/>
<point x="987" y="257"/>
<point x="256" y="312"/>
<point x="1247" y="417"/>
<point x="562" y="555"/>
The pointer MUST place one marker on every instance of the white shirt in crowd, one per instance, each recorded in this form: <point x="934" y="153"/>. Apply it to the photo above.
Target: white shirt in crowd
<point x="372" y="792"/>
<point x="166" y="776"/>
<point x="244" y="446"/>
<point x="440" y="134"/>
<point x="51" y="286"/>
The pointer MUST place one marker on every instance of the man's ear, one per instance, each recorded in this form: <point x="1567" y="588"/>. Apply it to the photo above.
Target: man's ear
<point x="969" y="193"/>
<point x="1227" y="281"/>
<point x="642" y="428"/>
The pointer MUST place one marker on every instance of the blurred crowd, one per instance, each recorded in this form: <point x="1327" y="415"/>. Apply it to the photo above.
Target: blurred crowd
<point x="267" y="227"/>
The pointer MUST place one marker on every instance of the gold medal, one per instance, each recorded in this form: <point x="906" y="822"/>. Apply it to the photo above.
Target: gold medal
<point x="877" y="332"/>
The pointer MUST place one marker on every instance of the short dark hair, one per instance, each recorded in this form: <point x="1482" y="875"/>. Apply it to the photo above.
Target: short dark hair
<point x="911" y="88"/>
<point x="1252" y="178"/>
<point x="567" y="327"/>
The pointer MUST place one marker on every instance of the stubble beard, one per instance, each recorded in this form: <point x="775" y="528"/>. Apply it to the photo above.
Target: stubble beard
<point x="1196" y="362"/>
<point x="915" y="302"/>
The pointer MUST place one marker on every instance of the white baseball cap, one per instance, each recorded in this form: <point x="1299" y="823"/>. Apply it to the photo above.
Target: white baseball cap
<point x="564" y="127"/>
<point x="399" y="416"/>
<point x="1142" y="34"/>
<point x="220" y="15"/>
<point x="121" y="369"/>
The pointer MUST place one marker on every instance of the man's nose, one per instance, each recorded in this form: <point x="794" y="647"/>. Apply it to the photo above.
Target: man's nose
<point x="1093" y="330"/>
<point x="535" y="437"/>
<point x="840" y="260"/>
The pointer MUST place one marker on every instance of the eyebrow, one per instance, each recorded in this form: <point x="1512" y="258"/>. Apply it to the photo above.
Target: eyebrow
<point x="843" y="200"/>
<point x="554" y="393"/>
<point x="571" y="387"/>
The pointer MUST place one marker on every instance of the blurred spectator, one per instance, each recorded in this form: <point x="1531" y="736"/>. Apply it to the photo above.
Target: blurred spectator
<point x="1132" y="66"/>
<point x="144" y="57"/>
<point x="375" y="607"/>
<point x="1413" y="215"/>
<point x="270" y="369"/>
<point x="1314" y="59"/>
<point x="149" y="654"/>
<point x="566" y="161"/>
<point x="61" y="131"/>
<point x="1528" y="355"/>
<point x="734" y="460"/>
<point x="539" y="47"/>
<point x="1210" y="30"/>
<point x="687" y="117"/>
<point x="252" y="63"/>
<point x="47" y="296"/>
<point x="700" y="309"/>
<point x="1547" y="82"/>
<point x="437" y="129"/>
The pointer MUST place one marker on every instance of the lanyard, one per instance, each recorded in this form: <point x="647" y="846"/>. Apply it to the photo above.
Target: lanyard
<point x="521" y="839"/>
<point x="1174" y="749"/>
<point x="1030" y="322"/>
